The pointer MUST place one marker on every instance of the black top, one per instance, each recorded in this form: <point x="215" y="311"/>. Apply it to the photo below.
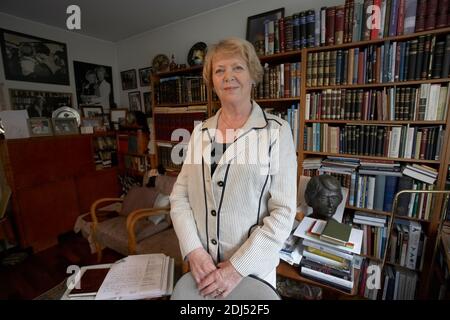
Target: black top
<point x="217" y="150"/>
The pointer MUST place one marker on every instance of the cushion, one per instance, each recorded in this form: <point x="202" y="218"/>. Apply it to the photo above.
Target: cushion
<point x="161" y="201"/>
<point x="138" y="198"/>
<point x="164" y="184"/>
<point x="113" y="234"/>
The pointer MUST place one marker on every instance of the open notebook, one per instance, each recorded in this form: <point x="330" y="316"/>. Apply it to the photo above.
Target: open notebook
<point x="143" y="276"/>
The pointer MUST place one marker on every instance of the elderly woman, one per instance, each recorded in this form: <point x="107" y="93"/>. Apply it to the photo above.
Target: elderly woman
<point x="233" y="204"/>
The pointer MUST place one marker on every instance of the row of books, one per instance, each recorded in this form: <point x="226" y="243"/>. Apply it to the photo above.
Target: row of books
<point x="168" y="123"/>
<point x="427" y="57"/>
<point x="291" y="115"/>
<point x="105" y="159"/>
<point x="407" y="244"/>
<point x="180" y="89"/>
<point x="165" y="157"/>
<point x="406" y="142"/>
<point x="132" y="142"/>
<point x="279" y="81"/>
<point x="356" y="20"/>
<point x="135" y="163"/>
<point x="375" y="233"/>
<point x="399" y="284"/>
<point x="373" y="185"/>
<point x="427" y="102"/>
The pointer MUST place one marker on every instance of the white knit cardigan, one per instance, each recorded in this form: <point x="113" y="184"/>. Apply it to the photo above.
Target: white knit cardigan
<point x="243" y="212"/>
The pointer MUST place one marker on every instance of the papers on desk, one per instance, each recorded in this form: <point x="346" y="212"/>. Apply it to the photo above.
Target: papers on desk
<point x="138" y="277"/>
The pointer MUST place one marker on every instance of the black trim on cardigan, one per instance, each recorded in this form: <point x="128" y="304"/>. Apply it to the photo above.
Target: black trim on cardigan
<point x="260" y="197"/>
<point x="218" y="212"/>
<point x="206" y="205"/>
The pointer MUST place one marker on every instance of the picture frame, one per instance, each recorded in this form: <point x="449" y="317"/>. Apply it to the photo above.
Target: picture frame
<point x="255" y="28"/>
<point x="40" y="126"/>
<point x="147" y="100"/>
<point x="129" y="80"/>
<point x="134" y="99"/>
<point x="33" y="59"/>
<point x="145" y="75"/>
<point x="65" y="126"/>
<point x="92" y="122"/>
<point x="39" y="103"/>
<point x="117" y="114"/>
<point x="94" y="84"/>
<point x="91" y="111"/>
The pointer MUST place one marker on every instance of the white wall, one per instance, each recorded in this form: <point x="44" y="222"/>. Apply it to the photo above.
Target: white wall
<point x="79" y="48"/>
<point x="177" y="38"/>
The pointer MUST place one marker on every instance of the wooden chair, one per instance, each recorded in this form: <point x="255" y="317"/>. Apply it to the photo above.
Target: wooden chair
<point x="130" y="231"/>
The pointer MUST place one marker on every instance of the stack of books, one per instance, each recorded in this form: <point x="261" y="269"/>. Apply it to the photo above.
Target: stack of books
<point x="328" y="252"/>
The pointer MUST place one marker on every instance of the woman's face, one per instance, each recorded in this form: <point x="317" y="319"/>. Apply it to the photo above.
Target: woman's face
<point x="231" y="78"/>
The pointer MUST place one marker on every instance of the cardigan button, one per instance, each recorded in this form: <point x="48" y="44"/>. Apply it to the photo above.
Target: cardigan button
<point x="220" y="183"/>
<point x="213" y="213"/>
<point x="213" y="241"/>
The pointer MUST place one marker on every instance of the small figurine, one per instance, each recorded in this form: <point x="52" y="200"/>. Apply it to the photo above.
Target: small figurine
<point x="173" y="65"/>
<point x="323" y="193"/>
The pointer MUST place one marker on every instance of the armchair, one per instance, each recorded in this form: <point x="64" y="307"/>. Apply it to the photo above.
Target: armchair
<point x="143" y="224"/>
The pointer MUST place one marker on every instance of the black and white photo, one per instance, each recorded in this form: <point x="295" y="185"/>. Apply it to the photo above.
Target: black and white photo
<point x="39" y="103"/>
<point x="147" y="98"/>
<point x="94" y="84"/>
<point x="129" y="80"/>
<point x="33" y="59"/>
<point x="134" y="99"/>
<point x="145" y="76"/>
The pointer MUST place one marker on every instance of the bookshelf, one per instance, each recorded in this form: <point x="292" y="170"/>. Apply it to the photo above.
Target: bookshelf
<point x="132" y="152"/>
<point x="180" y="98"/>
<point x="324" y="105"/>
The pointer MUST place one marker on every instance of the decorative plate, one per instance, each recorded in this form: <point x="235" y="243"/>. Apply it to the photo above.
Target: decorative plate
<point x="160" y="63"/>
<point x="67" y="112"/>
<point x="197" y="54"/>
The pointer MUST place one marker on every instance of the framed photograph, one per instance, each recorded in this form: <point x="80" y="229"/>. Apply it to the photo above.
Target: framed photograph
<point x="40" y="127"/>
<point x="39" y="103"/>
<point x="117" y="114"/>
<point x="145" y="76"/>
<point x="33" y="59"/>
<point x="94" y="84"/>
<point x="134" y="99"/>
<point x="255" y="28"/>
<point x="128" y="79"/>
<point x="147" y="98"/>
<point x="92" y="111"/>
<point x="63" y="126"/>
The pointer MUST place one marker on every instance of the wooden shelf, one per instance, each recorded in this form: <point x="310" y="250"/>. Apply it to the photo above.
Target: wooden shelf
<point x="194" y="69"/>
<point x="378" y="85"/>
<point x="374" y="122"/>
<point x="276" y="100"/>
<point x="370" y="157"/>
<point x="284" y="56"/>
<point x="384" y="213"/>
<point x="288" y="271"/>
<point x="185" y="104"/>
<point x="377" y="41"/>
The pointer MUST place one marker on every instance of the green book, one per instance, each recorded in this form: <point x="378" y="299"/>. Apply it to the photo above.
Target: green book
<point x="337" y="233"/>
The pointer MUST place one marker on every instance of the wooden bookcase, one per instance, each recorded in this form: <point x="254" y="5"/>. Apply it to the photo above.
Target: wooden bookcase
<point x="132" y="151"/>
<point x="173" y="95"/>
<point x="429" y="226"/>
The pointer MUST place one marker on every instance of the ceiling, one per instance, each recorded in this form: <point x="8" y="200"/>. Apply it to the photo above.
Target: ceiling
<point x="111" y="20"/>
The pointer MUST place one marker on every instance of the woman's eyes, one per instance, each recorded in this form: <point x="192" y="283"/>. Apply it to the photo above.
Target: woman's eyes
<point x="218" y="71"/>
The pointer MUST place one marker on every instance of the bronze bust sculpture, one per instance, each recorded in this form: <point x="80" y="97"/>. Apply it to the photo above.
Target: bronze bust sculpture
<point x="323" y="194"/>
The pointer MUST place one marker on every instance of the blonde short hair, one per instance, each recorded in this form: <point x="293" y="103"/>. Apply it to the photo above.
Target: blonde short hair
<point x="234" y="46"/>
